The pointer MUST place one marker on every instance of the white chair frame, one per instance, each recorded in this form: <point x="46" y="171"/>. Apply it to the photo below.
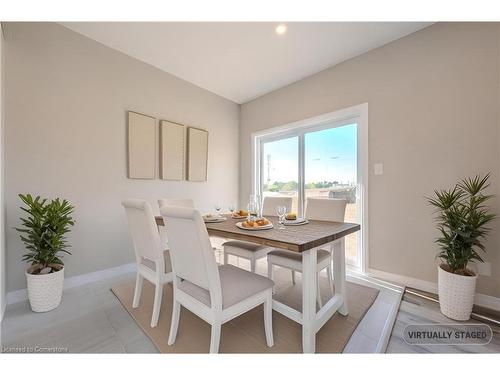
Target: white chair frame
<point x="270" y="205"/>
<point x="178" y="202"/>
<point x="207" y="274"/>
<point x="240" y="252"/>
<point x="147" y="245"/>
<point x="269" y="209"/>
<point x="273" y="261"/>
<point x="320" y="211"/>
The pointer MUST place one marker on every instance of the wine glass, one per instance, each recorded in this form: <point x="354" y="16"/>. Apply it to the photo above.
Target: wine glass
<point x="218" y="207"/>
<point x="281" y="211"/>
<point x="231" y="208"/>
<point x="252" y="209"/>
<point x="259" y="207"/>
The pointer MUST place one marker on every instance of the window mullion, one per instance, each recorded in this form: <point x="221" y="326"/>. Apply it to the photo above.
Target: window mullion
<point x="301" y="188"/>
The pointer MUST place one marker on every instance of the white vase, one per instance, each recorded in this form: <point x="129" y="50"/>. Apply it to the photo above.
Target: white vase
<point x="456" y="294"/>
<point x="45" y="291"/>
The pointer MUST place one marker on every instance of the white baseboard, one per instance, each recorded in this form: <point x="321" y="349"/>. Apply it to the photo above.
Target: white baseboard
<point x="71" y="282"/>
<point x="487" y="301"/>
<point x="426" y="286"/>
<point x="482" y="300"/>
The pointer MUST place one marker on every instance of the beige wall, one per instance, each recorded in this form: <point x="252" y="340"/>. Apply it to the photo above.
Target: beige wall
<point x="433" y="119"/>
<point x="3" y="278"/>
<point x="66" y="98"/>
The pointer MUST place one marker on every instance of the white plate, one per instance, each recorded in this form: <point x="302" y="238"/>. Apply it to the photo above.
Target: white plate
<point x="295" y="222"/>
<point x="240" y="225"/>
<point x="238" y="217"/>
<point x="214" y="219"/>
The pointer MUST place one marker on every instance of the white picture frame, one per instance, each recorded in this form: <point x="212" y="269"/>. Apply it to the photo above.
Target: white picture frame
<point x="141" y="146"/>
<point x="197" y="156"/>
<point x="172" y="151"/>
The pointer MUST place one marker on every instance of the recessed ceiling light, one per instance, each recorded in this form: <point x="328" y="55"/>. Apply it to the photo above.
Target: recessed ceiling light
<point x="280" y="29"/>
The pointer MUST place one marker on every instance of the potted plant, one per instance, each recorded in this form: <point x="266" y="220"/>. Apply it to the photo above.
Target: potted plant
<point x="462" y="219"/>
<point x="44" y="232"/>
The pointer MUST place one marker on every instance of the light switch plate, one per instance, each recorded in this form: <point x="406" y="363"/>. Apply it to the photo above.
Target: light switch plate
<point x="378" y="169"/>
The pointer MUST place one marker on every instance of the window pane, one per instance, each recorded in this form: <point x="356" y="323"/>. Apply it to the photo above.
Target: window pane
<point x="331" y="172"/>
<point x="280" y="169"/>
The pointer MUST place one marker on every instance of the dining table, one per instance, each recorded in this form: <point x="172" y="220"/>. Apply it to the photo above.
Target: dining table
<point x="305" y="239"/>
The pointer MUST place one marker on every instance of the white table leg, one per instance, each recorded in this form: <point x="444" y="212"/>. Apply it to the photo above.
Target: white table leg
<point x="309" y="300"/>
<point x="339" y="277"/>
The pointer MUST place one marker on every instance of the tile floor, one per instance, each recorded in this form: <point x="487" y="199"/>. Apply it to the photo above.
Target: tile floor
<point x="92" y="320"/>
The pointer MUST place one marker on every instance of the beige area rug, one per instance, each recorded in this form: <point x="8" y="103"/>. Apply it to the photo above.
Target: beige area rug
<point x="245" y="334"/>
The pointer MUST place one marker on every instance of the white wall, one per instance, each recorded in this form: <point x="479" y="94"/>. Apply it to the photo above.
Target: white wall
<point x="3" y="277"/>
<point x="65" y="130"/>
<point x="433" y="119"/>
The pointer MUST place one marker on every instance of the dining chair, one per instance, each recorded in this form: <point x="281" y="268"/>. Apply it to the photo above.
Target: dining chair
<point x="153" y="261"/>
<point x="271" y="204"/>
<point x="253" y="251"/>
<point x="180" y="202"/>
<point x="217" y="294"/>
<point x="324" y="209"/>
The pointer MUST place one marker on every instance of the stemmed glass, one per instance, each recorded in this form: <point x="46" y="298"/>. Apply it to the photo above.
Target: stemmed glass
<point x="252" y="210"/>
<point x="218" y="208"/>
<point x="256" y="200"/>
<point x="259" y="208"/>
<point x="231" y="208"/>
<point x="281" y="211"/>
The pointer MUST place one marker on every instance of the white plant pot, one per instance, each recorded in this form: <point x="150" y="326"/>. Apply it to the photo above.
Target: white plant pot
<point x="456" y="294"/>
<point x="45" y="291"/>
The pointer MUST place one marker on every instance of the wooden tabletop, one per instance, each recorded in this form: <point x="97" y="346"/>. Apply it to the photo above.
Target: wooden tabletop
<point x="294" y="238"/>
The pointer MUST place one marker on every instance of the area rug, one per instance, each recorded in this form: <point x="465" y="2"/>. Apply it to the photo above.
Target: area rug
<point x="245" y="334"/>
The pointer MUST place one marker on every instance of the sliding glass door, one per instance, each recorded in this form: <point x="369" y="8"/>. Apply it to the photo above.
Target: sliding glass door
<point x="280" y="169"/>
<point x="314" y="162"/>
<point x="330" y="171"/>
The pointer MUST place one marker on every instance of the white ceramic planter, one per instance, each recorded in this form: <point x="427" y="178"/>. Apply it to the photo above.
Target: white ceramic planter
<point x="45" y="291"/>
<point x="456" y="294"/>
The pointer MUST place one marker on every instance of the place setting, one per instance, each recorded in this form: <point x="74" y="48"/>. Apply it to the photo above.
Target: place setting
<point x="217" y="217"/>
<point x="255" y="219"/>
<point x="292" y="219"/>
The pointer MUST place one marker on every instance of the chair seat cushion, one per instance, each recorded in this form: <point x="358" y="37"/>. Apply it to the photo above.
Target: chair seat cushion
<point x="150" y="264"/>
<point x="293" y="260"/>
<point x="237" y="285"/>
<point x="247" y="250"/>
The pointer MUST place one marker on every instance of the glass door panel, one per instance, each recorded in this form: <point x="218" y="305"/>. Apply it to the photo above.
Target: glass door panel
<point x="280" y="169"/>
<point x="330" y="171"/>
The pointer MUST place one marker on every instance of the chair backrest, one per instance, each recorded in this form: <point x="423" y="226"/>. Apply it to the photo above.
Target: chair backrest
<point x="143" y="229"/>
<point x="186" y="202"/>
<point x="326" y="209"/>
<point x="177" y="202"/>
<point x="191" y="253"/>
<point x="270" y="205"/>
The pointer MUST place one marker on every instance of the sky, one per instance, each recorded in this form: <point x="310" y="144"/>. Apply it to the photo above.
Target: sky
<point x="330" y="155"/>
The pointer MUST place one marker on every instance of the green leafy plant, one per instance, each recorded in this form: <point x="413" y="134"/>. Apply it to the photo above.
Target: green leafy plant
<point x="462" y="218"/>
<point x="44" y="231"/>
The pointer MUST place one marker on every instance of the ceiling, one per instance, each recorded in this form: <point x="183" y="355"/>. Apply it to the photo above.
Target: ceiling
<point x="242" y="61"/>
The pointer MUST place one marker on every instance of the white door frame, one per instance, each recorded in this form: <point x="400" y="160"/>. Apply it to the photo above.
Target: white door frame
<point x="358" y="114"/>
